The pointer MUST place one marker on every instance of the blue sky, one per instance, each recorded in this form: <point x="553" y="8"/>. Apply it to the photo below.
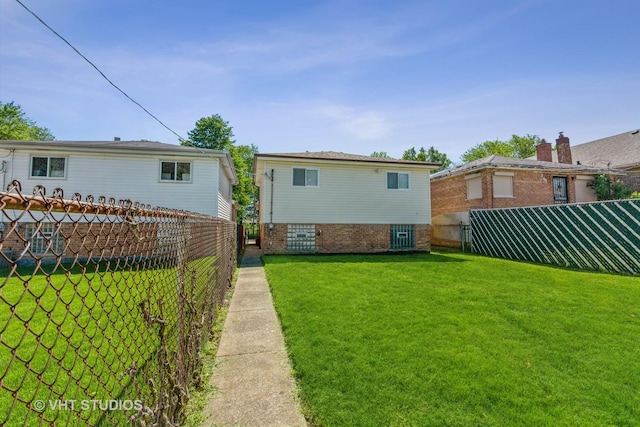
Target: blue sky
<point x="351" y="76"/>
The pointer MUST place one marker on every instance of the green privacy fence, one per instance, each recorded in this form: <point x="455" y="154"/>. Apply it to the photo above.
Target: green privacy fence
<point x="601" y="236"/>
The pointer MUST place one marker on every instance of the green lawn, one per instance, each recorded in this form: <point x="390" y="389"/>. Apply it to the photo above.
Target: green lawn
<point x="458" y="340"/>
<point x="76" y="332"/>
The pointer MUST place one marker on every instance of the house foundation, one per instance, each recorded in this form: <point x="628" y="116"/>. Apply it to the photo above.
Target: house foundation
<point x="344" y="238"/>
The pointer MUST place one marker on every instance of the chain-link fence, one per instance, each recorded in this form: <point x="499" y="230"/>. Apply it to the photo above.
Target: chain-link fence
<point x="105" y="307"/>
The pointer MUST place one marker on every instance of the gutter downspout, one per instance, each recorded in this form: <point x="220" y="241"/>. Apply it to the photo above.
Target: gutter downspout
<point x="271" y="203"/>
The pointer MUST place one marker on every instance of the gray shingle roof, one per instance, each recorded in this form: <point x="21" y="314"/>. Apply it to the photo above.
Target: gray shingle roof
<point x="142" y="145"/>
<point x="499" y="162"/>
<point x="619" y="151"/>
<point x="335" y="155"/>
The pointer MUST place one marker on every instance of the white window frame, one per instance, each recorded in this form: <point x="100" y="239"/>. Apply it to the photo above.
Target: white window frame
<point x="474" y="186"/>
<point x="306" y="178"/>
<point x="505" y="182"/>
<point x="48" y="171"/>
<point x="163" y="178"/>
<point x="398" y="180"/>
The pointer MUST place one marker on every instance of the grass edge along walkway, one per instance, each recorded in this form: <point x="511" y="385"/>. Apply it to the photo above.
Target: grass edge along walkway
<point x="458" y="339"/>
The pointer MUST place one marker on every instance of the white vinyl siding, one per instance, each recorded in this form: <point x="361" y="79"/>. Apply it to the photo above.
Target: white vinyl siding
<point x="474" y="186"/>
<point x="503" y="184"/>
<point x="224" y="196"/>
<point x="353" y="193"/>
<point x="129" y="176"/>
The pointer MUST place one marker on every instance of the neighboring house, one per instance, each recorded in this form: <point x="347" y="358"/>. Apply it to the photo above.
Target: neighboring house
<point x="614" y="152"/>
<point x="331" y="202"/>
<point x="505" y="182"/>
<point x="152" y="173"/>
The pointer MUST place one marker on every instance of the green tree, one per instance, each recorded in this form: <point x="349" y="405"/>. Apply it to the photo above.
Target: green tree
<point x="381" y="155"/>
<point x="518" y="146"/>
<point x="15" y="125"/>
<point x="607" y="188"/>
<point x="211" y="132"/>
<point x="431" y="155"/>
<point x="214" y="133"/>
<point x="410" y="154"/>
<point x="436" y="156"/>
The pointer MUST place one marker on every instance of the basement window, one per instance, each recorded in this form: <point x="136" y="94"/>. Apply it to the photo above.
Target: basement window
<point x="402" y="237"/>
<point x="301" y="237"/>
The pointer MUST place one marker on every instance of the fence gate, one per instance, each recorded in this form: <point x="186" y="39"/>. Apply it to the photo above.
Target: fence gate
<point x="601" y="236"/>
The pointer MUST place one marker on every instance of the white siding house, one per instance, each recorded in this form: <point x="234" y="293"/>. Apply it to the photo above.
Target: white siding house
<point x="152" y="173"/>
<point x="337" y="202"/>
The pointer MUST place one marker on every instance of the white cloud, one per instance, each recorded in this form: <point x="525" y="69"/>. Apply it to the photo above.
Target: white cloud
<point x="359" y="124"/>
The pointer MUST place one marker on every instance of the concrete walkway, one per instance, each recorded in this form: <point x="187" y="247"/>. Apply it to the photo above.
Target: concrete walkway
<point x="252" y="376"/>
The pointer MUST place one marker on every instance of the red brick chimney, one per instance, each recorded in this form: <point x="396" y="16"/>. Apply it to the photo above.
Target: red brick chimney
<point x="564" y="149"/>
<point x="543" y="151"/>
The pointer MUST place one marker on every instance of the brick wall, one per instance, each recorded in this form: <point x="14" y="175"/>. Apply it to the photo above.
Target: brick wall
<point x="449" y="195"/>
<point x="84" y="240"/>
<point x="530" y="188"/>
<point x="632" y="180"/>
<point x="343" y="238"/>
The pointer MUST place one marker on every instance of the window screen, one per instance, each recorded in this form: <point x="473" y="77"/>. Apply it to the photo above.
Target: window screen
<point x="305" y="177"/>
<point x="175" y="171"/>
<point x="52" y="167"/>
<point x="397" y="180"/>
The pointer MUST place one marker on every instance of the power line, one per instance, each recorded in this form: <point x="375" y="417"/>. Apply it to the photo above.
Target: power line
<point x="99" y="71"/>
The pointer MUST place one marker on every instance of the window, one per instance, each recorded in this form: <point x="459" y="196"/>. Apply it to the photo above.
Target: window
<point x="402" y="236"/>
<point x="503" y="184"/>
<point x="301" y="237"/>
<point x="305" y="177"/>
<point x="397" y="181"/>
<point x="560" y="194"/>
<point x="474" y="186"/>
<point x="175" y="171"/>
<point x="44" y="240"/>
<point x="50" y="167"/>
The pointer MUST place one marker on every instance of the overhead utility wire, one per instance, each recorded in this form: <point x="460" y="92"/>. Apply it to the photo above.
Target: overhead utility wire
<point x="99" y="71"/>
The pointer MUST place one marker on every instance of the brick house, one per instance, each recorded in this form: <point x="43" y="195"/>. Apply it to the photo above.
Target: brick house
<point x="620" y="151"/>
<point x="505" y="182"/>
<point x="330" y="202"/>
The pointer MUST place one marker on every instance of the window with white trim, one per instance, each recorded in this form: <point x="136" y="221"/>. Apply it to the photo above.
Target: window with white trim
<point x="303" y="177"/>
<point x="474" y="186"/>
<point x="397" y="181"/>
<point x="48" y="167"/>
<point x="503" y="184"/>
<point x="175" y="171"/>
